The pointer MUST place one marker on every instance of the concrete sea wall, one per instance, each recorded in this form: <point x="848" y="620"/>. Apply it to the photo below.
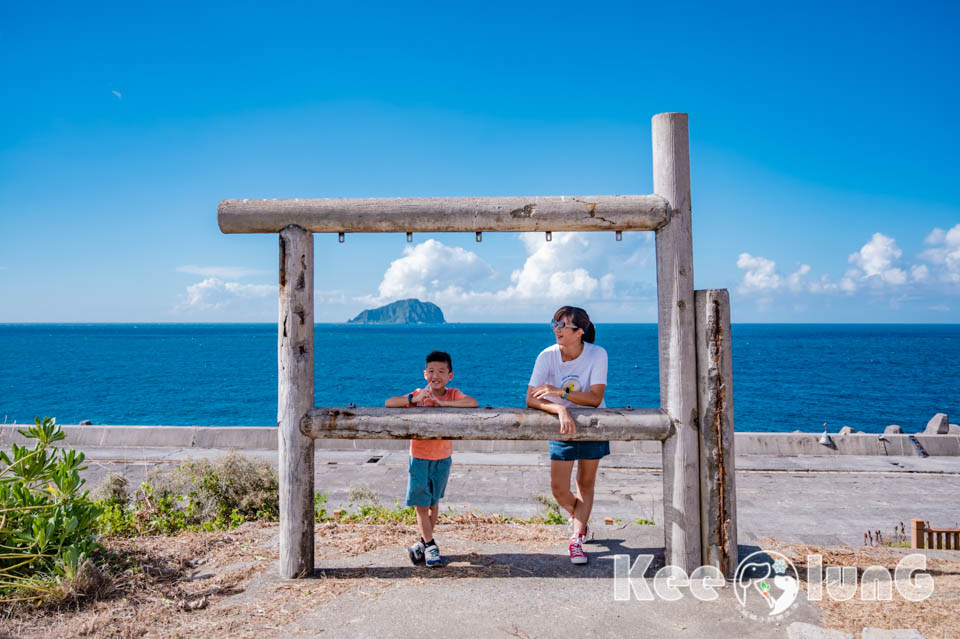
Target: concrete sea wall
<point x="265" y="438"/>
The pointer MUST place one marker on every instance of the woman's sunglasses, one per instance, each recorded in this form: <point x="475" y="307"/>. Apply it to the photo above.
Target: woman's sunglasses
<point x="555" y="325"/>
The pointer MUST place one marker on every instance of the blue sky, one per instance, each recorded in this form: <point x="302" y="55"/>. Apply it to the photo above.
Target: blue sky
<point x="826" y="185"/>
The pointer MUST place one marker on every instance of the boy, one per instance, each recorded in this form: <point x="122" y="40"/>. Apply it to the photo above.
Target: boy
<point x="430" y="459"/>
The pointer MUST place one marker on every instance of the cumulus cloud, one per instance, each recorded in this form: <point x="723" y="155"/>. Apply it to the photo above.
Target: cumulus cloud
<point x="936" y="236"/>
<point x="945" y="253"/>
<point x="919" y="273"/>
<point x="551" y="270"/>
<point x="876" y="259"/>
<point x="221" y="272"/>
<point x="573" y="268"/>
<point x="875" y="268"/>
<point x="214" y="293"/>
<point x="430" y="270"/>
<point x="761" y="274"/>
<point x="795" y="280"/>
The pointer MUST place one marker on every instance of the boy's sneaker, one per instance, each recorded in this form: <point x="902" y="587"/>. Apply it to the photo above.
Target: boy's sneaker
<point x="432" y="557"/>
<point x="577" y="556"/>
<point x="415" y="553"/>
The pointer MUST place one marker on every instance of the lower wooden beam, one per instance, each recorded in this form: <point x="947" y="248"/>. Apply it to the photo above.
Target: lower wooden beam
<point x="483" y="423"/>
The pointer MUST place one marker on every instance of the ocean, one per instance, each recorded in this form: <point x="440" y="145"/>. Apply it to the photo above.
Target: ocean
<point x="786" y="376"/>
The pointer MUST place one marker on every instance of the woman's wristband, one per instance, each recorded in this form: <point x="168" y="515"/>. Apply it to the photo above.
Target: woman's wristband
<point x="565" y="393"/>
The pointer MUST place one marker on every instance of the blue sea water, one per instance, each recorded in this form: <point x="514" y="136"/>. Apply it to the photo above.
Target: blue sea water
<point x="786" y="377"/>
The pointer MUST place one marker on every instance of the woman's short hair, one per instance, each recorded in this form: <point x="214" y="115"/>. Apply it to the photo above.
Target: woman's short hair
<point x="579" y="318"/>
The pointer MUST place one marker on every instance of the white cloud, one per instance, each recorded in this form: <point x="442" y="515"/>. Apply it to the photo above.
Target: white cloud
<point x="919" y="273"/>
<point x="117" y="94"/>
<point x="875" y="270"/>
<point x="846" y="284"/>
<point x="761" y="274"/>
<point x="222" y="272"/>
<point x="573" y="268"/>
<point x="877" y="258"/>
<point x="430" y="270"/>
<point x="214" y="293"/>
<point x="795" y="280"/>
<point x="945" y="254"/>
<point x="936" y="236"/>
<point x="551" y="270"/>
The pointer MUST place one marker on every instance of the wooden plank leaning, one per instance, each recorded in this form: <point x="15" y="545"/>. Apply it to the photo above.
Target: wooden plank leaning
<point x="718" y="501"/>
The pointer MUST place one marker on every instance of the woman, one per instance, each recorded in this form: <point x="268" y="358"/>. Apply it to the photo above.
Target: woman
<point x="572" y="372"/>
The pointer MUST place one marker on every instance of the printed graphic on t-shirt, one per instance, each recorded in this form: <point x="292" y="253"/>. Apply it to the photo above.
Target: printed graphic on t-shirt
<point x="571" y="384"/>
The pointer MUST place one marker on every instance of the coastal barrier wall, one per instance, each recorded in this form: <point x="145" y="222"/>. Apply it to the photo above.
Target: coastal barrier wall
<point x="265" y="438"/>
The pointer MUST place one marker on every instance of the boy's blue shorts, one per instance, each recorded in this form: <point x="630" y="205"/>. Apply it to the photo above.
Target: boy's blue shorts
<point x="427" y="480"/>
<point x="570" y="451"/>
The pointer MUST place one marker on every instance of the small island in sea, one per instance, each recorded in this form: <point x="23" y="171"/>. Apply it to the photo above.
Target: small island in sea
<point x="411" y="311"/>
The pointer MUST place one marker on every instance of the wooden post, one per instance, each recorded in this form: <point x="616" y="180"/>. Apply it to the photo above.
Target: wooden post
<point x="916" y="533"/>
<point x="718" y="501"/>
<point x="678" y="368"/>
<point x="295" y="398"/>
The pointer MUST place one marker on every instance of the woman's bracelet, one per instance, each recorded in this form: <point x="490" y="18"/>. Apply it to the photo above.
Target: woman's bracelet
<point x="565" y="393"/>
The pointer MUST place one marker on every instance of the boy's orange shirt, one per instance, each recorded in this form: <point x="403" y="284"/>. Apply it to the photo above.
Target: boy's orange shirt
<point x="434" y="448"/>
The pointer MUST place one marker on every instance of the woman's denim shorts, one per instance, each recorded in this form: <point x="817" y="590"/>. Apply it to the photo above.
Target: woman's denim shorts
<point x="570" y="451"/>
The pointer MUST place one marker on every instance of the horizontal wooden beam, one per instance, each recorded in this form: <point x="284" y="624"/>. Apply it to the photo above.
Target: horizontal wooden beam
<point x="446" y="214"/>
<point x="482" y="423"/>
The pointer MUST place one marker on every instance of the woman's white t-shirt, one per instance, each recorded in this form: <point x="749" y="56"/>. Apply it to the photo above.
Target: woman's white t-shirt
<point x="589" y="369"/>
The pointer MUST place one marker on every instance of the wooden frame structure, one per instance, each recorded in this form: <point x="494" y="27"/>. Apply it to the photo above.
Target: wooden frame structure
<point x="923" y="536"/>
<point x="694" y="421"/>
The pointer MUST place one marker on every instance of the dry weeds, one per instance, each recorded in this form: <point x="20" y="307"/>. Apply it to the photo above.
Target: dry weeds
<point x="184" y="586"/>
<point x="221" y="584"/>
<point x="935" y="617"/>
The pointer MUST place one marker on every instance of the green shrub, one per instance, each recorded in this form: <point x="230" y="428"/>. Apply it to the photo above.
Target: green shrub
<point x="47" y="521"/>
<point x="197" y="495"/>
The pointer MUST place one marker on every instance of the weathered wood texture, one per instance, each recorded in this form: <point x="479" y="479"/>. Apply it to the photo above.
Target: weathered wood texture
<point x="479" y="423"/>
<point x="295" y="398"/>
<point x="718" y="502"/>
<point x="922" y="536"/>
<point x="446" y="214"/>
<point x="678" y="374"/>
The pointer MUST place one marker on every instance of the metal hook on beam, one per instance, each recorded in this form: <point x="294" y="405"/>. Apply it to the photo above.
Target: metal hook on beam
<point x="409" y="236"/>
<point x="549" y="236"/>
<point x="340" y="236"/>
<point x="479" y="236"/>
